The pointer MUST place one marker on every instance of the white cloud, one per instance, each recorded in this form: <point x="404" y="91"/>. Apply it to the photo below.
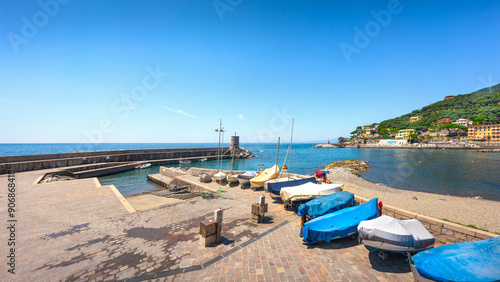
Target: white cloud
<point x="179" y="111"/>
<point x="240" y="116"/>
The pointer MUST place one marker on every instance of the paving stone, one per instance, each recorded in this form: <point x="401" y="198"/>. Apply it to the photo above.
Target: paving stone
<point x="80" y="231"/>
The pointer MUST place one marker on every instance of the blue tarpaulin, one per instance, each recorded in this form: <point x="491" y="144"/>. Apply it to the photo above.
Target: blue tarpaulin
<point x="326" y="204"/>
<point x="275" y="186"/>
<point x="339" y="224"/>
<point x="467" y="261"/>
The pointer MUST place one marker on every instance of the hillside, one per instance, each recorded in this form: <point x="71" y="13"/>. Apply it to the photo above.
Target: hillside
<point x="469" y="106"/>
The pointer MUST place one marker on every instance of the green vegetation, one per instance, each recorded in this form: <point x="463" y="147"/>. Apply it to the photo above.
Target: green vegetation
<point x="480" y="107"/>
<point x="469" y="225"/>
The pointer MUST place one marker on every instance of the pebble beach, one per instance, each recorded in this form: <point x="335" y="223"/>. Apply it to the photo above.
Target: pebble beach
<point x="481" y="213"/>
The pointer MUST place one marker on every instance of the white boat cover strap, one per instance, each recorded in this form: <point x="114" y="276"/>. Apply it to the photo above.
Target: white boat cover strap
<point x="408" y="233"/>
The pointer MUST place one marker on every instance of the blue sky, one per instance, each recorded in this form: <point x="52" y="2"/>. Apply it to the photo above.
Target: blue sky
<point x="167" y="71"/>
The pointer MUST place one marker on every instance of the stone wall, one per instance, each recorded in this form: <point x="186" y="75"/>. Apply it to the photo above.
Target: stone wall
<point x="444" y="231"/>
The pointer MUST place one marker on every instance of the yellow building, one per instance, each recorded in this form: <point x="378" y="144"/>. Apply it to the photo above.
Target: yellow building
<point x="405" y="133"/>
<point x="417" y="118"/>
<point x="481" y="132"/>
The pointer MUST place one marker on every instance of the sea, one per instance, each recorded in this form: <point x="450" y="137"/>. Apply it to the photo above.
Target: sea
<point x="449" y="172"/>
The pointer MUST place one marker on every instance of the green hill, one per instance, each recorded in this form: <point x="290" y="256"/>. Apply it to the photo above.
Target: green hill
<point x="469" y="106"/>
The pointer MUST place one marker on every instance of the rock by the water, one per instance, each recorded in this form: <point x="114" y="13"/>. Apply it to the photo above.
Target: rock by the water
<point x="325" y="146"/>
<point x="353" y="166"/>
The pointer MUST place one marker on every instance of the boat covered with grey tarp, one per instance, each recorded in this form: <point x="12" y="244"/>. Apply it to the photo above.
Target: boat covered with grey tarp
<point x="386" y="233"/>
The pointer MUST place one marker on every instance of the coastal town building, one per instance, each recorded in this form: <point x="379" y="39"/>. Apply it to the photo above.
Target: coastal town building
<point x="416" y="118"/>
<point x="448" y="97"/>
<point x="463" y="121"/>
<point x="444" y="120"/>
<point x="482" y="132"/>
<point x="404" y="133"/>
<point x="367" y="131"/>
<point x="390" y="142"/>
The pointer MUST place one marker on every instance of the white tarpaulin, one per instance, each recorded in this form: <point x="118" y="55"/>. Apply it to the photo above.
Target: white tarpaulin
<point x="308" y="191"/>
<point x="408" y="233"/>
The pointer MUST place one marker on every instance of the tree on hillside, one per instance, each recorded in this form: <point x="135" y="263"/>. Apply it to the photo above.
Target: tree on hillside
<point x="358" y="131"/>
<point x="413" y="136"/>
<point x="480" y="119"/>
<point x="342" y="140"/>
<point x="469" y="106"/>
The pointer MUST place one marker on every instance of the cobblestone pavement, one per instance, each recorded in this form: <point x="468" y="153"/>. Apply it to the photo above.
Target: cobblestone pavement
<point x="74" y="230"/>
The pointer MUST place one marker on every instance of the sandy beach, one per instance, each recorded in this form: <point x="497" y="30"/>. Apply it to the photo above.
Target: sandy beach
<point x="481" y="213"/>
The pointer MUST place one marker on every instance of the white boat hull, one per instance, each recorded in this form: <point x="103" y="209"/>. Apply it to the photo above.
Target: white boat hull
<point x="220" y="176"/>
<point x="232" y="178"/>
<point x="204" y="177"/>
<point x="243" y="181"/>
<point x="373" y="246"/>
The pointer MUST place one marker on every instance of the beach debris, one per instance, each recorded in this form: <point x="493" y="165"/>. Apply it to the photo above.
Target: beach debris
<point x="207" y="196"/>
<point x="221" y="191"/>
<point x="414" y="198"/>
<point x="478" y="197"/>
<point x="443" y="199"/>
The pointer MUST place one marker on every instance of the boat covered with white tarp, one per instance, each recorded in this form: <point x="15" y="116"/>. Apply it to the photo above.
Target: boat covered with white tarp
<point x="386" y="233"/>
<point x="307" y="191"/>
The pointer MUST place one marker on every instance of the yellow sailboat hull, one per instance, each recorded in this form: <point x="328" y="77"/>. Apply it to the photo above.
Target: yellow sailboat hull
<point x="267" y="174"/>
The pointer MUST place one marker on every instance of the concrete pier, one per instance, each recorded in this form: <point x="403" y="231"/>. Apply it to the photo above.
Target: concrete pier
<point x="97" y="163"/>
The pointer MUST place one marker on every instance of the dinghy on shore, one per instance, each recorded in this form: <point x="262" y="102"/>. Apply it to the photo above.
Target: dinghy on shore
<point x="386" y="233"/>
<point x="466" y="261"/>
<point x="326" y="204"/>
<point x="204" y="177"/>
<point x="275" y="186"/>
<point x="219" y="176"/>
<point x="265" y="175"/>
<point x="340" y="224"/>
<point x="244" y="178"/>
<point x="305" y="192"/>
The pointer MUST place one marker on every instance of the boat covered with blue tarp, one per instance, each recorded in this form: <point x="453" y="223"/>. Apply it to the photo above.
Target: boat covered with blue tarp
<point x="339" y="224"/>
<point x="326" y="204"/>
<point x="466" y="261"/>
<point x="274" y="186"/>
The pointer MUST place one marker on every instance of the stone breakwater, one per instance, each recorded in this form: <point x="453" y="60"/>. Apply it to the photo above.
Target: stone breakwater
<point x="353" y="166"/>
<point x="97" y="163"/>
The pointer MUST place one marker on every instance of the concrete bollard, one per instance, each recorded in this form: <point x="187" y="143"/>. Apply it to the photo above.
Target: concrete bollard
<point x="218" y="219"/>
<point x="210" y="230"/>
<point x="218" y="215"/>
<point x="259" y="210"/>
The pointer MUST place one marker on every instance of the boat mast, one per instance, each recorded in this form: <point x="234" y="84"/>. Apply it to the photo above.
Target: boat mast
<point x="218" y="148"/>
<point x="277" y="154"/>
<point x="290" y="159"/>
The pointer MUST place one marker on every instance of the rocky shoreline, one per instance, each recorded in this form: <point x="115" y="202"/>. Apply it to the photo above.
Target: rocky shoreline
<point x="325" y="146"/>
<point x="353" y="166"/>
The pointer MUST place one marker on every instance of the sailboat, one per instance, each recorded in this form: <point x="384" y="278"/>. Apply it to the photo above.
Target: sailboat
<point x="274" y="185"/>
<point x="219" y="176"/>
<point x="244" y="178"/>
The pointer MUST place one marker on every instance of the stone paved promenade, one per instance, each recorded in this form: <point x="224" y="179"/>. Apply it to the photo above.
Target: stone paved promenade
<point x="79" y="230"/>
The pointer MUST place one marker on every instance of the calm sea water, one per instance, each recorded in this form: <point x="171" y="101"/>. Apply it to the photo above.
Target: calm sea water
<point x="450" y="172"/>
